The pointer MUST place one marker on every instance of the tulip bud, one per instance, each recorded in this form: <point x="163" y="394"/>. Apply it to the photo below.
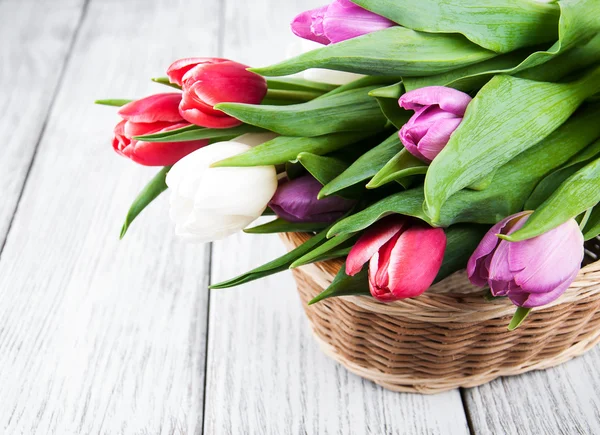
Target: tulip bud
<point x="210" y="81"/>
<point x="404" y="257"/>
<point x="296" y="201"/>
<point x="153" y="114"/>
<point x="338" y="21"/>
<point x="211" y="203"/>
<point x="438" y="112"/>
<point x="532" y="272"/>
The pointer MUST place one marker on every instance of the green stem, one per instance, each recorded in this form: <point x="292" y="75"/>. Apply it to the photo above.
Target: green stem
<point x="298" y="96"/>
<point x="585" y="218"/>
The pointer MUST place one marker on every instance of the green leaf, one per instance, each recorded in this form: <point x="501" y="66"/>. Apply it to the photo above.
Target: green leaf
<point x="518" y="318"/>
<point x="278" y="265"/>
<point x="578" y="24"/>
<point x="592" y="228"/>
<point x="153" y="189"/>
<point x="283" y="226"/>
<point x="193" y="132"/>
<point x="499" y="124"/>
<point x="298" y="84"/>
<point x="115" y="102"/>
<point x="323" y="168"/>
<point x="578" y="193"/>
<point x="291" y="96"/>
<point x="396" y="51"/>
<point x="403" y="164"/>
<point x="549" y="184"/>
<point x="352" y="110"/>
<point x="364" y="82"/>
<point x="165" y="81"/>
<point x="387" y="98"/>
<point x="344" y="285"/>
<point x="461" y="242"/>
<point x="284" y="148"/>
<point x="364" y="167"/>
<point x="498" y="25"/>
<point x="321" y="251"/>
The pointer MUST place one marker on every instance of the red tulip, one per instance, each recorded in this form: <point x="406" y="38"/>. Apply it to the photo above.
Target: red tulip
<point x="153" y="114"/>
<point x="404" y="257"/>
<point x="210" y="81"/>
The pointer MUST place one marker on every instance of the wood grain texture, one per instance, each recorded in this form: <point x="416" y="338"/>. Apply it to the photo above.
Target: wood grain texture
<point x="35" y="38"/>
<point x="563" y="399"/>
<point x="100" y="336"/>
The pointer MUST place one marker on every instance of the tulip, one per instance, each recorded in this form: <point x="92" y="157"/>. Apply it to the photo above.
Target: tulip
<point x="438" y="112"/>
<point x="296" y="201"/>
<point x="404" y="257"/>
<point x="153" y="114"/>
<point x="212" y="203"/>
<point x="209" y="81"/>
<point x="531" y="272"/>
<point x="338" y="21"/>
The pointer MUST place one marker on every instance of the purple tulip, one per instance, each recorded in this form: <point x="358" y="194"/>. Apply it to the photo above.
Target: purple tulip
<point x="438" y="112"/>
<point x="532" y="272"/>
<point x="338" y="21"/>
<point x="296" y="201"/>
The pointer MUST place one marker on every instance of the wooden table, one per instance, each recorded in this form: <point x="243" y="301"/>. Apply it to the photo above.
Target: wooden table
<point x="99" y="336"/>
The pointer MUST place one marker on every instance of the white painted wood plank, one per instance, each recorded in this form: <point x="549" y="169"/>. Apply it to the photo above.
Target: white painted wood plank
<point x="265" y="373"/>
<point x="101" y="336"/>
<point x="564" y="399"/>
<point x="35" y="36"/>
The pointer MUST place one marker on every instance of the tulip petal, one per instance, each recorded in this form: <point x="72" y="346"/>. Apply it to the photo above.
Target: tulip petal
<point x="531" y="300"/>
<point x="308" y="25"/>
<point x="546" y="262"/>
<point x="155" y="108"/>
<point x="370" y="242"/>
<point x="437" y="137"/>
<point x="203" y="226"/>
<point x="345" y="20"/>
<point x="416" y="260"/>
<point x="180" y="67"/>
<point x="448" y="99"/>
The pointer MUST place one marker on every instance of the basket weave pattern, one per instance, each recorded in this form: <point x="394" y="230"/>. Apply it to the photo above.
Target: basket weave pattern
<point x="450" y="336"/>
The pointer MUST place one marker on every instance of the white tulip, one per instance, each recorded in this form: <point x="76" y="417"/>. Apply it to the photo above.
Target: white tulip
<point x="212" y="203"/>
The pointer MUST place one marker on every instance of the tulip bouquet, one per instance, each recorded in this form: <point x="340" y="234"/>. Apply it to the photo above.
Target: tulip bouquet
<point x="433" y="136"/>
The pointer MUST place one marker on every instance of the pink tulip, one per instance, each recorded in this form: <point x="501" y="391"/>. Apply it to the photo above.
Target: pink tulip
<point x="210" y="81"/>
<point x="154" y="114"/>
<point x="404" y="257"/>
<point x="532" y="272"/>
<point x="338" y="21"/>
<point x="438" y="112"/>
<point x="296" y="201"/>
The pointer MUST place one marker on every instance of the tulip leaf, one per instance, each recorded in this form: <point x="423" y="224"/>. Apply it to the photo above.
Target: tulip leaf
<point x="285" y="96"/>
<point x="298" y="84"/>
<point x="364" y="82"/>
<point x="578" y="24"/>
<point x="403" y="164"/>
<point x="577" y="194"/>
<point x="165" y="81"/>
<point x="344" y="285"/>
<point x="115" y="102"/>
<point x="364" y="167"/>
<point x="508" y="116"/>
<point x="321" y="251"/>
<point x="285" y="148"/>
<point x="153" y="189"/>
<point x="323" y="168"/>
<point x="592" y="228"/>
<point x="461" y="242"/>
<point x="282" y="226"/>
<point x="549" y="184"/>
<point x="349" y="111"/>
<point x="193" y="132"/>
<point x="392" y="52"/>
<point x="387" y="98"/>
<point x="498" y="25"/>
<point x="518" y="318"/>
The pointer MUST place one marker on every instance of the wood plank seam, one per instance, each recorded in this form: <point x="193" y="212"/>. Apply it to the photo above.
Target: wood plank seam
<point x="55" y="92"/>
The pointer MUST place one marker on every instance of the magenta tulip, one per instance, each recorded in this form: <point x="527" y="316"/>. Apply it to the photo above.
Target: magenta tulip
<point x="210" y="81"/>
<point x="338" y="21"/>
<point x="438" y="112"/>
<point x="153" y="114"/>
<point x="532" y="272"/>
<point x="296" y="201"/>
<point x="404" y="257"/>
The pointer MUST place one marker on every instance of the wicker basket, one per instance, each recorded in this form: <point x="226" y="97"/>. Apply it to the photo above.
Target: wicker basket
<point x="450" y="336"/>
